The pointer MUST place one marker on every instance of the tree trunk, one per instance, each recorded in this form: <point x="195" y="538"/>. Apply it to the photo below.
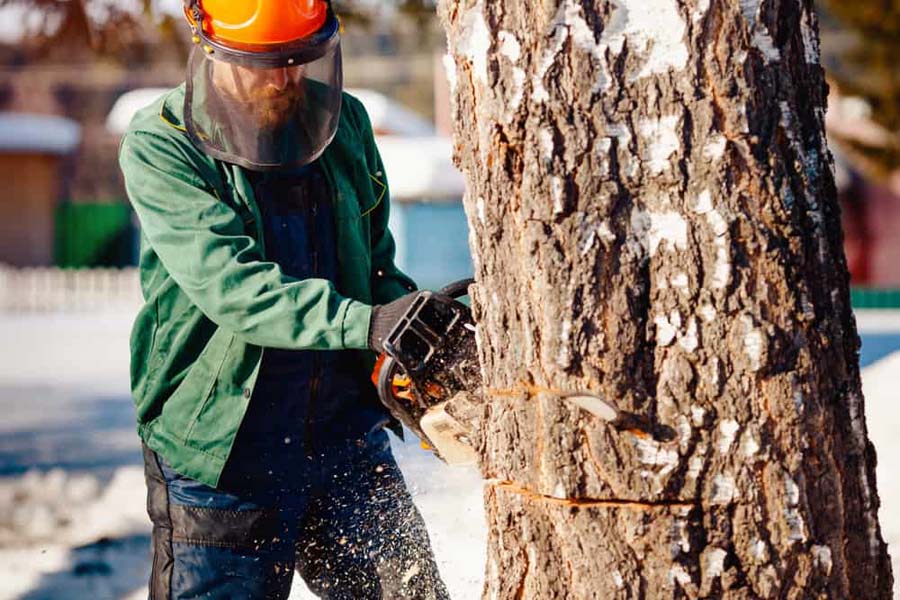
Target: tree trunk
<point x="653" y="219"/>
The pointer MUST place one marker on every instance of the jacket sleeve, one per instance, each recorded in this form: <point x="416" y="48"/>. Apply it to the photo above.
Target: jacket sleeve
<point x="388" y="282"/>
<point x="201" y="242"/>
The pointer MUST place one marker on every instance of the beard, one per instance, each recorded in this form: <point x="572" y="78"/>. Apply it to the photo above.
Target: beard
<point x="272" y="107"/>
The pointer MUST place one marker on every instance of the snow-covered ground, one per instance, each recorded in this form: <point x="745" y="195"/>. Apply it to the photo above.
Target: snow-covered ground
<point x="72" y="495"/>
<point x="72" y="520"/>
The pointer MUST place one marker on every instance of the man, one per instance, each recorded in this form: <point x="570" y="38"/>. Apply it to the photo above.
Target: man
<point x="267" y="269"/>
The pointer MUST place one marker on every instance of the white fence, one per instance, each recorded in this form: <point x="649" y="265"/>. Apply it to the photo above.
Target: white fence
<point x="52" y="289"/>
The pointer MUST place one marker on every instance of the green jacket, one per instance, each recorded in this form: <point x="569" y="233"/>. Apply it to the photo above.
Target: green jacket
<point x="213" y="302"/>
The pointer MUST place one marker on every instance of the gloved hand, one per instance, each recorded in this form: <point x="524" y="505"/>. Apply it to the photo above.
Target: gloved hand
<point x="385" y="317"/>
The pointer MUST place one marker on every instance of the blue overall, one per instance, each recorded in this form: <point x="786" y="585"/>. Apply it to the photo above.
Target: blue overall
<point x="311" y="483"/>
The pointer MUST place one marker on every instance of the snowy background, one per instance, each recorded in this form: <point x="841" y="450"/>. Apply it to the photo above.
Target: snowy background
<point x="72" y="520"/>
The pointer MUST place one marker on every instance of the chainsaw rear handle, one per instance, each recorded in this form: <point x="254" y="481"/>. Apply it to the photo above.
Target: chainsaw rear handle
<point x="457" y="289"/>
<point x="416" y="325"/>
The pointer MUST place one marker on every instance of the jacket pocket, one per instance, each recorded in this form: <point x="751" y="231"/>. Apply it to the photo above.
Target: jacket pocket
<point x="218" y="418"/>
<point x="197" y="389"/>
<point x="214" y="369"/>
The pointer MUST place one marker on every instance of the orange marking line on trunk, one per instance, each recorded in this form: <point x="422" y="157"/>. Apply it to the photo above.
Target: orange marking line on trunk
<point x="508" y="486"/>
<point x="528" y="388"/>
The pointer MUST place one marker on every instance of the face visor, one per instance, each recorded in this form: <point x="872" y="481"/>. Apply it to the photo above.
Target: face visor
<point x="266" y="107"/>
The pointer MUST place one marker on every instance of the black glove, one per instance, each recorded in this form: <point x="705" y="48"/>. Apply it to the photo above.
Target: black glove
<point x="385" y="317"/>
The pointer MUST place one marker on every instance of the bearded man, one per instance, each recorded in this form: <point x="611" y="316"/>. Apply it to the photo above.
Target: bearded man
<point x="268" y="273"/>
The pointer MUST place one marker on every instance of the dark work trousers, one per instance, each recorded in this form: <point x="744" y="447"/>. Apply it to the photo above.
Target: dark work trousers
<point x="344" y="520"/>
<point x="310" y="483"/>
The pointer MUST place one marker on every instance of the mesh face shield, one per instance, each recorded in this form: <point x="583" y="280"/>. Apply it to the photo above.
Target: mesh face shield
<point x="266" y="108"/>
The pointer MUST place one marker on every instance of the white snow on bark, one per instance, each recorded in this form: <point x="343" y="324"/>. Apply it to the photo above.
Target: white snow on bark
<point x="750" y="10"/>
<point x="564" y="357"/>
<point x="474" y="41"/>
<point x="473" y="243"/>
<point x="822" y="558"/>
<point x="556" y="190"/>
<point x="559" y="491"/>
<point x="582" y="33"/>
<point x="700" y="11"/>
<point x="665" y="331"/>
<point x="683" y="426"/>
<point x="653" y="28"/>
<point x="765" y="44"/>
<point x="591" y="231"/>
<point x="759" y="550"/>
<point x="678" y="575"/>
<point x="571" y="17"/>
<point x="724" y="489"/>
<point x="546" y="144"/>
<point x="698" y="413"/>
<point x="554" y="47"/>
<point x="715" y="147"/>
<point x="796" y="525"/>
<point x="798" y="397"/>
<point x="717" y="222"/>
<point x="679" y="541"/>
<point x="761" y="38"/>
<point x="713" y="368"/>
<point x="680" y="281"/>
<point x="450" y="69"/>
<point x="661" y="136"/>
<point x="749" y="444"/>
<point x="704" y="203"/>
<point x="695" y="465"/>
<point x="618" y="580"/>
<point x="727" y="430"/>
<point x="689" y="341"/>
<point x="605" y="232"/>
<point x="858" y="426"/>
<point x="708" y="312"/>
<point x="479" y="209"/>
<point x="810" y="39"/>
<point x="721" y="274"/>
<point x="619" y="131"/>
<point x="651" y="452"/>
<point x="509" y="46"/>
<point x="791" y="491"/>
<point x="669" y="227"/>
<point x="515" y="99"/>
<point x="511" y="49"/>
<point x="654" y="228"/>
<point x="754" y="342"/>
<point x="713" y="561"/>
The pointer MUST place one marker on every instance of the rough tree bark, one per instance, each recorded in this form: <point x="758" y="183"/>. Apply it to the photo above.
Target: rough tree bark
<point x="653" y="219"/>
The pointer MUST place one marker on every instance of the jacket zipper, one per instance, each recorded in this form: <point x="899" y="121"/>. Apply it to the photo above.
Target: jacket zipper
<point x="314" y="381"/>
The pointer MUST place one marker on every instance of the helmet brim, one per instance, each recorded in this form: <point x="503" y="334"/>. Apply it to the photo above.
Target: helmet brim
<point x="299" y="52"/>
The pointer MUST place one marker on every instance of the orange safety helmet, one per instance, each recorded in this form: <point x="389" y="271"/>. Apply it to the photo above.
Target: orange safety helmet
<point x="262" y="32"/>
<point x="264" y="82"/>
<point x="250" y="23"/>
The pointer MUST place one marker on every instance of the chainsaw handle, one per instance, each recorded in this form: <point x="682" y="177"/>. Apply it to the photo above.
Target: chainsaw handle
<point x="457" y="289"/>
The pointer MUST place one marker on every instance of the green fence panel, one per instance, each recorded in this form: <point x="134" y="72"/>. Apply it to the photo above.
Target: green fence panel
<point x="94" y="235"/>
<point x="862" y="297"/>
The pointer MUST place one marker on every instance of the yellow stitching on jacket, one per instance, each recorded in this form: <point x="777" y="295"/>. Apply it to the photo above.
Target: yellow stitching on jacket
<point x="380" y="197"/>
<point x="163" y="118"/>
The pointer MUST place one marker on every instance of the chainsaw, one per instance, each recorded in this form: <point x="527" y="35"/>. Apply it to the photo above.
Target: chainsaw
<point x="430" y="362"/>
<point x="429" y="377"/>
